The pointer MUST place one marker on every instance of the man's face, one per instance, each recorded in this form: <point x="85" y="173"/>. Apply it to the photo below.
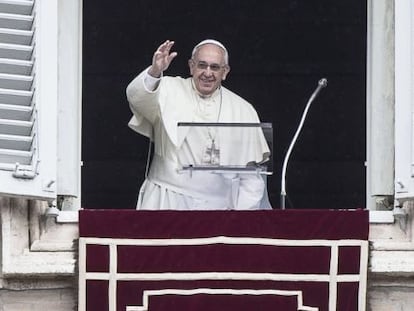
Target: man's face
<point x="208" y="68"/>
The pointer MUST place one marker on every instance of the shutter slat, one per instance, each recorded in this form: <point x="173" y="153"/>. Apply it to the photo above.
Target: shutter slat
<point x="16" y="127"/>
<point x="16" y="142"/>
<point x="16" y="6"/>
<point x="16" y="97"/>
<point x="16" y="21"/>
<point x="16" y="112"/>
<point x="15" y="156"/>
<point x="17" y="82"/>
<point x="16" y="51"/>
<point x="16" y="36"/>
<point x="15" y="66"/>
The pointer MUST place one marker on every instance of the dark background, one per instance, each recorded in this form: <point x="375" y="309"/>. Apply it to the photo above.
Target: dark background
<point x="278" y="52"/>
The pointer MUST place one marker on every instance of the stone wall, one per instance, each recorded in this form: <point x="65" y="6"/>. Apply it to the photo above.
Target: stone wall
<point x="391" y="267"/>
<point x="391" y="294"/>
<point x="56" y="299"/>
<point x="38" y="258"/>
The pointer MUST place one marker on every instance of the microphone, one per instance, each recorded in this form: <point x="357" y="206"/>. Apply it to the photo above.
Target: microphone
<point x="322" y="83"/>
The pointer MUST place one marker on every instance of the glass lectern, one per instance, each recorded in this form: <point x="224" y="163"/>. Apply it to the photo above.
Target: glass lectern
<point x="242" y="148"/>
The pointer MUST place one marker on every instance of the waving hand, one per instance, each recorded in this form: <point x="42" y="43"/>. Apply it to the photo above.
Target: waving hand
<point x="162" y="59"/>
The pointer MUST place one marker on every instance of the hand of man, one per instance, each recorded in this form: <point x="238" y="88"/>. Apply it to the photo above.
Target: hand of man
<point x="162" y="59"/>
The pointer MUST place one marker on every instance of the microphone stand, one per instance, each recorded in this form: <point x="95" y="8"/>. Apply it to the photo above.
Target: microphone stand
<point x="321" y="84"/>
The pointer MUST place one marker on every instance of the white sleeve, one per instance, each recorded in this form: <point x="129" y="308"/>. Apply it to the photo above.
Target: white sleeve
<point x="251" y="190"/>
<point x="151" y="83"/>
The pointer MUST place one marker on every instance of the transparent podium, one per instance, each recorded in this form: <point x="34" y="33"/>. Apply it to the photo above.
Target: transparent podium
<point x="235" y="151"/>
<point x="243" y="148"/>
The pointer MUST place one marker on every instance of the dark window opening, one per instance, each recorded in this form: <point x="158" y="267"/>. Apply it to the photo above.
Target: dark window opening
<point x="278" y="52"/>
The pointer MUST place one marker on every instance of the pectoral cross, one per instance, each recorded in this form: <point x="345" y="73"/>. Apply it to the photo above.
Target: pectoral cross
<point x="212" y="154"/>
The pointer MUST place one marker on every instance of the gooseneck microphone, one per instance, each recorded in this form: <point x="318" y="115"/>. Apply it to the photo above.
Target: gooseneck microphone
<point x="321" y="84"/>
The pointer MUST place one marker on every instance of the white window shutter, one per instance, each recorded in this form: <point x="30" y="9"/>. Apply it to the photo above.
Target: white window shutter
<point x="404" y="100"/>
<point x="28" y="98"/>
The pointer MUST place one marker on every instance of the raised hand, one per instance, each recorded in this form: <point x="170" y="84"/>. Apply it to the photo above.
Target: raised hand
<point x="162" y="59"/>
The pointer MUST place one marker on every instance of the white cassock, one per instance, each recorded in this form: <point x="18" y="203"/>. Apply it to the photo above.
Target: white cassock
<point x="156" y="115"/>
